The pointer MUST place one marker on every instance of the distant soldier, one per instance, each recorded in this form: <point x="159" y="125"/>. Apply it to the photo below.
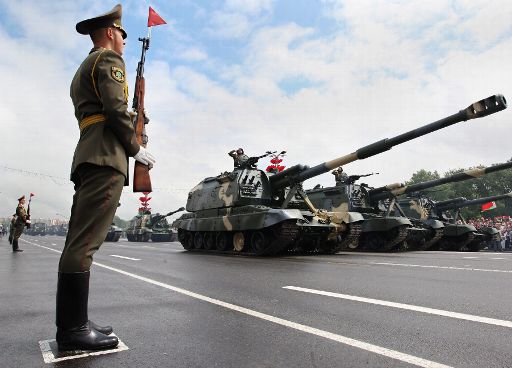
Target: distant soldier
<point x="339" y="175"/>
<point x="20" y="224"/>
<point x="11" y="228"/>
<point x="239" y="158"/>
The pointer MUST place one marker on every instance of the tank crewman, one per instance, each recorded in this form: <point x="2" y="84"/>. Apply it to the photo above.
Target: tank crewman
<point x="239" y="158"/>
<point x="11" y="228"/>
<point x="339" y="175"/>
<point x="20" y="224"/>
<point x="99" y="171"/>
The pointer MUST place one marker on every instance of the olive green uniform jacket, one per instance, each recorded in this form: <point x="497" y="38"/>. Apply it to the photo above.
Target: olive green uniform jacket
<point x="99" y="89"/>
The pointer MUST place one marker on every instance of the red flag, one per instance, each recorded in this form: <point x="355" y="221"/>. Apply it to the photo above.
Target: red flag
<point x="32" y="194"/>
<point x="154" y="19"/>
<point x="488" y="206"/>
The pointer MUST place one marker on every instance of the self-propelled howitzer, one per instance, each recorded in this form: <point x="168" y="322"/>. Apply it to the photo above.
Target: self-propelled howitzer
<point x="147" y="226"/>
<point x="252" y="211"/>
<point x="484" y="235"/>
<point x="386" y="224"/>
<point x="380" y="231"/>
<point x="420" y="209"/>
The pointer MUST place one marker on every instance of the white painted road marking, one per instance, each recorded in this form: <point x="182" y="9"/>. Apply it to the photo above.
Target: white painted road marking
<point x="123" y="257"/>
<point x="440" y="267"/>
<point x="411" y="359"/>
<point x="49" y="355"/>
<point x="498" y="258"/>
<point x="438" y="312"/>
<point x="469" y="257"/>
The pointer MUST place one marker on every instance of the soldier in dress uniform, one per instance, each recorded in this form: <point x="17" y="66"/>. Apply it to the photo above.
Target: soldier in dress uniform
<point x="239" y="158"/>
<point x="99" y="171"/>
<point x="20" y="224"/>
<point x="11" y="228"/>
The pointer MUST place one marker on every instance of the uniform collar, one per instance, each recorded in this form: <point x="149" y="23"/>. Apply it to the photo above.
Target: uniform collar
<point x="94" y="49"/>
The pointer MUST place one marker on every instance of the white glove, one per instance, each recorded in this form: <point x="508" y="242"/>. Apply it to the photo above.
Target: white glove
<point x="28" y="222"/>
<point x="144" y="157"/>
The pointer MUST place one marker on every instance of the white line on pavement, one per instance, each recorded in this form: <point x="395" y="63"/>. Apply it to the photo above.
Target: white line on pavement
<point x="123" y="257"/>
<point x="439" y="312"/>
<point x="440" y="267"/>
<point x="469" y="257"/>
<point x="420" y="362"/>
<point x="498" y="258"/>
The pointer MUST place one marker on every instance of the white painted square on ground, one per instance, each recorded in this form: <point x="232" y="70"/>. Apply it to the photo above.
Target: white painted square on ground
<point x="51" y="353"/>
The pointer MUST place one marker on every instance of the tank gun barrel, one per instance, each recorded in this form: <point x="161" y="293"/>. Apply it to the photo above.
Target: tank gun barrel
<point x="479" y="109"/>
<point x="380" y="193"/>
<point x="176" y="211"/>
<point x="450" y="202"/>
<point x="159" y="217"/>
<point x="472" y="202"/>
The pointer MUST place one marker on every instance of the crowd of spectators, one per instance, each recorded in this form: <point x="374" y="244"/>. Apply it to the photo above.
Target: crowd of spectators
<point x="502" y="223"/>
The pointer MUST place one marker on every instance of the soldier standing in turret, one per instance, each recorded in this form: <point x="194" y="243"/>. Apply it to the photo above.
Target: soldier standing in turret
<point x="19" y="225"/>
<point x="239" y="158"/>
<point x="339" y="175"/>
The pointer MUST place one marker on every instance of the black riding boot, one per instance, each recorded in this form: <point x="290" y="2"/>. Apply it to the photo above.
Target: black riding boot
<point x="15" y="247"/>
<point x="74" y="331"/>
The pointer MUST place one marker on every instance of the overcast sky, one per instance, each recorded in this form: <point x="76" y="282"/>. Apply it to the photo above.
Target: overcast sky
<point x="318" y="79"/>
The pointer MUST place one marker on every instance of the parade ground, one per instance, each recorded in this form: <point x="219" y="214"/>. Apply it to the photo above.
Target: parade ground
<point x="173" y="308"/>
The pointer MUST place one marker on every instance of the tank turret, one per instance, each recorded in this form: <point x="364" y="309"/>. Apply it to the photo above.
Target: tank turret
<point x="161" y="230"/>
<point x="250" y="210"/>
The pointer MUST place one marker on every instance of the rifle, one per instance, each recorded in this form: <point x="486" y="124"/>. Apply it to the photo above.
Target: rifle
<point x="27" y="224"/>
<point x="141" y="179"/>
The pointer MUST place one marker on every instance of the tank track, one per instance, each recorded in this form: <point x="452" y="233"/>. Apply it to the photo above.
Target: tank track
<point x="351" y="240"/>
<point x="263" y="242"/>
<point x="385" y="240"/>
<point x="438" y="234"/>
<point x="456" y="243"/>
<point x="327" y="247"/>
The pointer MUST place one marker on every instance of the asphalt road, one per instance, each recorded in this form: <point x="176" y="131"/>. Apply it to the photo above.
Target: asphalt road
<point x="174" y="308"/>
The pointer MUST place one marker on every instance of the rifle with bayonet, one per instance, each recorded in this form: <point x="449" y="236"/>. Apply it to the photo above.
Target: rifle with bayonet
<point x="141" y="179"/>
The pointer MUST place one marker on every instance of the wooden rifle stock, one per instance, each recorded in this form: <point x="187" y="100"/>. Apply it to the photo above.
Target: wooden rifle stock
<point x="141" y="179"/>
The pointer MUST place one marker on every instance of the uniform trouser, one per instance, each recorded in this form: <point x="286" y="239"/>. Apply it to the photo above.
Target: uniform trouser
<point x="97" y="193"/>
<point x="18" y="230"/>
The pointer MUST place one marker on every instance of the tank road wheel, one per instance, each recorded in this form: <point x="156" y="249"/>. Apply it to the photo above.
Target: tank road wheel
<point x="259" y="242"/>
<point x="185" y="239"/>
<point x="198" y="240"/>
<point x="223" y="241"/>
<point x="182" y="234"/>
<point x="209" y="240"/>
<point x="238" y="241"/>
<point x="373" y="241"/>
